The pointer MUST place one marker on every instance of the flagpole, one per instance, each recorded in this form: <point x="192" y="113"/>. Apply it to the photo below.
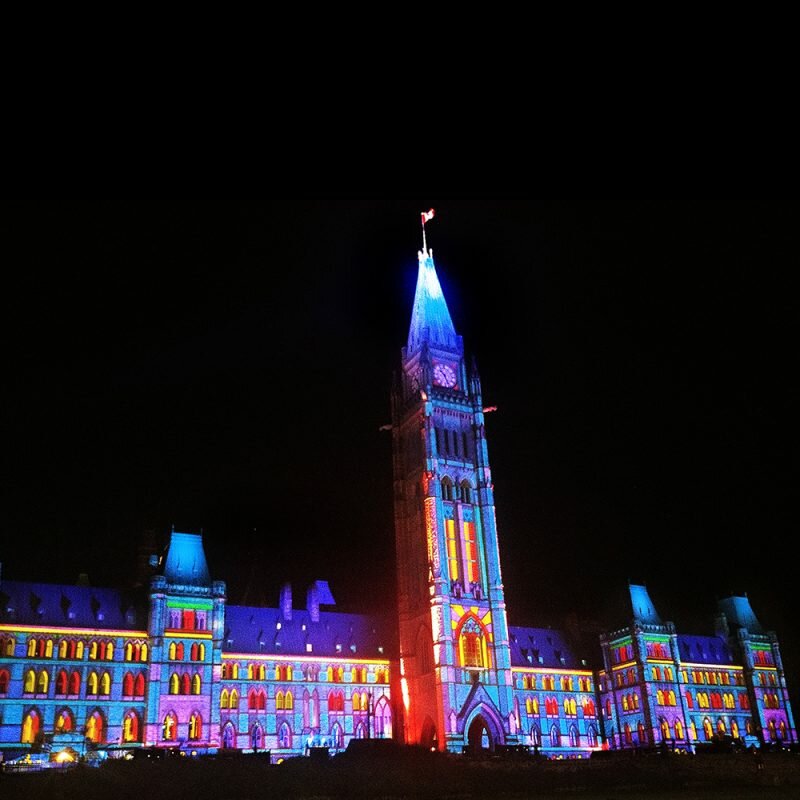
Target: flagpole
<point x="424" y="243"/>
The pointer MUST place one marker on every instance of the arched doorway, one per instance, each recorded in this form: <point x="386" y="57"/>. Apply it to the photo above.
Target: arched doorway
<point x="428" y="736"/>
<point x="479" y="737"/>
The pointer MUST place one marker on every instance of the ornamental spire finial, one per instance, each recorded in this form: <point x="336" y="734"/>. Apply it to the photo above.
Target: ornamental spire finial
<point x="427" y="216"/>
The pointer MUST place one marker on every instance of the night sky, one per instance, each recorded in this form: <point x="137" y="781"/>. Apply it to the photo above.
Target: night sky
<point x="229" y="369"/>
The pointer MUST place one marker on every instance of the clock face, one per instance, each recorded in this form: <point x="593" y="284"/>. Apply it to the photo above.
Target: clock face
<point x="444" y="376"/>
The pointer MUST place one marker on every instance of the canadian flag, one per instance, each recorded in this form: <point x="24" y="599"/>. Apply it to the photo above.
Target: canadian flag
<point x="427" y="216"/>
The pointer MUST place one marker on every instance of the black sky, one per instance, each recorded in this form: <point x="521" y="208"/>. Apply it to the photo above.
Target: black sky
<point x="228" y="369"/>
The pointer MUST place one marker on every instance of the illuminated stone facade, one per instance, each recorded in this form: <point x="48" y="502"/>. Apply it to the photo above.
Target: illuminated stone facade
<point x="85" y="669"/>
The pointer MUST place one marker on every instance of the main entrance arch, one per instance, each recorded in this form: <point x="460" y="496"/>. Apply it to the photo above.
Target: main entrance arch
<point x="479" y="736"/>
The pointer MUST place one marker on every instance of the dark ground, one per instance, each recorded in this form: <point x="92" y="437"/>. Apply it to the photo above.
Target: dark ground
<point x="421" y="775"/>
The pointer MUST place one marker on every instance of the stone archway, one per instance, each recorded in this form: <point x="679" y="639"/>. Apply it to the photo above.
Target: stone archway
<point x="428" y="737"/>
<point x="479" y="736"/>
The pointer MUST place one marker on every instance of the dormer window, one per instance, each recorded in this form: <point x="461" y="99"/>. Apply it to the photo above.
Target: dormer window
<point x="309" y="647"/>
<point x="352" y="648"/>
<point x="338" y="648"/>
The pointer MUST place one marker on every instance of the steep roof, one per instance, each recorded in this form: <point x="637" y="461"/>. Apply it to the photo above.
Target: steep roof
<point x="63" y="605"/>
<point x="254" y="629"/>
<point x="740" y="614"/>
<point x="430" y="318"/>
<point x="704" y="649"/>
<point x="542" y="647"/>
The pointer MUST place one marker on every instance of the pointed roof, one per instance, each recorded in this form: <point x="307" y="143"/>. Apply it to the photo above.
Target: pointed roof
<point x="643" y="608"/>
<point x="740" y="613"/>
<point x="430" y="319"/>
<point x="186" y="560"/>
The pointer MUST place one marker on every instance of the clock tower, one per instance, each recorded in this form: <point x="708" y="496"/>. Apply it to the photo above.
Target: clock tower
<point x="455" y="661"/>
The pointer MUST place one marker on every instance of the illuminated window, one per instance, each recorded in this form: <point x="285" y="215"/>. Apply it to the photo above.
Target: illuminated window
<point x="472" y="644"/>
<point x="625" y="702"/>
<point x="689" y="701"/>
<point x="536" y="736"/>
<point x="174" y="684"/>
<point x="453" y="556"/>
<point x="129" y="651"/>
<point x="105" y="684"/>
<point x="447" y="487"/>
<point x="95" y="727"/>
<point x="65" y="721"/>
<point x="186" y="683"/>
<point x="337" y="735"/>
<point x="223" y="698"/>
<point x="143" y="652"/>
<point x="138" y="686"/>
<point x="170" y="729"/>
<point x="79" y="649"/>
<point x="660" y="697"/>
<point x="91" y="683"/>
<point x="31" y="725"/>
<point x="173" y="649"/>
<point x="278" y="701"/>
<point x="707" y="729"/>
<point x="555" y="737"/>
<point x="635" y="702"/>
<point x="4" y="681"/>
<point x="234" y="699"/>
<point x="336" y="701"/>
<point x="289" y="701"/>
<point x="465" y="492"/>
<point x="75" y="683"/>
<point x="734" y="729"/>
<point x="284" y="736"/>
<point x="356" y="701"/>
<point x="195" y="727"/>
<point x="130" y="727"/>
<point x="7" y="646"/>
<point x="127" y="685"/>
<point x="589" y="708"/>
<point x="471" y="552"/>
<point x="196" y="683"/>
<point x="665" y="732"/>
<point x="93" y="651"/>
<point x="188" y="620"/>
<point x="678" y="729"/>
<point x="591" y="736"/>
<point x="31" y="651"/>
<point x="574" y="737"/>
<point x="641" y="733"/>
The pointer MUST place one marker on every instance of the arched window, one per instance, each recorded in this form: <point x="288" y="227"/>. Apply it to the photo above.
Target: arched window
<point x="42" y="682"/>
<point x="79" y="648"/>
<point x="337" y="736"/>
<point x="625" y="703"/>
<point x="174" y="683"/>
<point x="127" y="685"/>
<point x="383" y="719"/>
<point x="536" y="736"/>
<point x="196" y="683"/>
<point x="138" y="685"/>
<point x="31" y="724"/>
<point x="193" y="652"/>
<point x="130" y="727"/>
<point x="734" y="729"/>
<point x="105" y="684"/>
<point x="63" y="648"/>
<point x="289" y="701"/>
<point x="707" y="729"/>
<point x="109" y="651"/>
<point x="257" y="737"/>
<point x="721" y="725"/>
<point x="62" y="682"/>
<point x="186" y="683"/>
<point x="589" y="708"/>
<point x="465" y="492"/>
<point x="642" y="733"/>
<point x="360" y="731"/>
<point x="234" y="699"/>
<point x="170" y="729"/>
<point x="91" y="683"/>
<point x="689" y="701"/>
<point x="591" y="736"/>
<point x="95" y="727"/>
<point x="472" y="644"/>
<point x="555" y="737"/>
<point x="660" y="697"/>
<point x="678" y="729"/>
<point x="279" y="701"/>
<point x="665" y="732"/>
<point x="228" y="736"/>
<point x="48" y="649"/>
<point x="4" y="681"/>
<point x="224" y="698"/>
<point x="173" y="651"/>
<point x="7" y="646"/>
<point x="143" y="653"/>
<point x="447" y="488"/>
<point x="65" y="721"/>
<point x="129" y="651"/>
<point x="574" y="737"/>
<point x="284" y="736"/>
<point x="195" y="727"/>
<point x="75" y="683"/>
